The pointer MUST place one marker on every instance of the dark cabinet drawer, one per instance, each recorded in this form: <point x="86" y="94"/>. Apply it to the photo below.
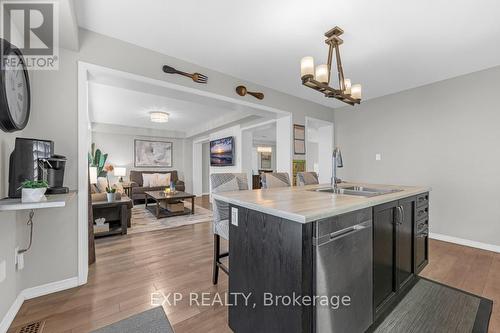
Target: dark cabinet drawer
<point x="422" y="225"/>
<point x="421" y="250"/>
<point x="422" y="199"/>
<point x="422" y="212"/>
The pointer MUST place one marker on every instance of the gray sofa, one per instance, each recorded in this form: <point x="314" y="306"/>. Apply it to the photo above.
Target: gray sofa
<point x="138" y="190"/>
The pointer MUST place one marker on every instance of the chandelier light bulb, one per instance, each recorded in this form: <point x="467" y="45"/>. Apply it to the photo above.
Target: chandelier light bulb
<point x="307" y="67"/>
<point x="356" y="91"/>
<point x="347" y="86"/>
<point x="322" y="73"/>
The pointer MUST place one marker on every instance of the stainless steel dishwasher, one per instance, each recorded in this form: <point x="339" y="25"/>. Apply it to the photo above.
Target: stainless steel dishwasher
<point x="343" y="266"/>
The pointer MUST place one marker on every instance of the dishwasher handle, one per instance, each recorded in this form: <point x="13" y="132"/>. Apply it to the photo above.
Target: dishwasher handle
<point x="342" y="233"/>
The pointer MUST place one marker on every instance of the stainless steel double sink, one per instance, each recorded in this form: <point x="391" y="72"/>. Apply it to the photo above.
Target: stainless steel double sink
<point x="357" y="191"/>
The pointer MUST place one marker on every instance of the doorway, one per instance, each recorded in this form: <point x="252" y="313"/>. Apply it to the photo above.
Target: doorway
<point x="319" y="148"/>
<point x="260" y="145"/>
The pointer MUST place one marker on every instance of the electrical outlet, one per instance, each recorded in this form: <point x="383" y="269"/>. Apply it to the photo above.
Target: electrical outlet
<point x="234" y="216"/>
<point x="3" y="271"/>
<point x="378" y="157"/>
<point x="20" y="261"/>
<point x="16" y="251"/>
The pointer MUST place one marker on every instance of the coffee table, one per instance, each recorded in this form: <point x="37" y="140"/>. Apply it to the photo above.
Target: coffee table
<point x="161" y="197"/>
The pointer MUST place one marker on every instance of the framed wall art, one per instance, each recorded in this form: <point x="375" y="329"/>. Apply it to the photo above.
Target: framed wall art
<point x="152" y="154"/>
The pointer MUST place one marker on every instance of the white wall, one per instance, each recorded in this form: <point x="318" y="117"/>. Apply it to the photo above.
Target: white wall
<point x="312" y="149"/>
<point x="319" y="148"/>
<point x="205" y="165"/>
<point x="284" y="145"/>
<point x="445" y="135"/>
<point x="325" y="149"/>
<point x="120" y="150"/>
<point x="234" y="131"/>
<point x="247" y="157"/>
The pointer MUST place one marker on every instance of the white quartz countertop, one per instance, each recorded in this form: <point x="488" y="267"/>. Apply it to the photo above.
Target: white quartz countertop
<point x="303" y="204"/>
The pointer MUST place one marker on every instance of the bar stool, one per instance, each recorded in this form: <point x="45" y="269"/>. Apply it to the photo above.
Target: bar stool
<point x="223" y="182"/>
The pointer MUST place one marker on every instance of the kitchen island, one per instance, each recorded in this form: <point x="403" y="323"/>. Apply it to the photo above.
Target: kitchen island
<point x="310" y="260"/>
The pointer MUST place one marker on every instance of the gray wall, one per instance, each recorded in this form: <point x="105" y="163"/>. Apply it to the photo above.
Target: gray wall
<point x="120" y="150"/>
<point x="52" y="256"/>
<point x="10" y="287"/>
<point x="445" y="135"/>
<point x="54" y="117"/>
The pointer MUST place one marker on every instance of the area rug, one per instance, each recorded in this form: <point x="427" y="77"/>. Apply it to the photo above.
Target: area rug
<point x="150" y="321"/>
<point x="433" y="307"/>
<point x="143" y="220"/>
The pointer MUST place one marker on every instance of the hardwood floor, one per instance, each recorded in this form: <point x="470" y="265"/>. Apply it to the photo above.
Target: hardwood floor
<point x="473" y="270"/>
<point x="129" y="269"/>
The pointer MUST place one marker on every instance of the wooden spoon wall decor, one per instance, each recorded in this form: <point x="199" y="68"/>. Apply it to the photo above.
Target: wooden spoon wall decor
<point x="242" y="91"/>
<point x="196" y="77"/>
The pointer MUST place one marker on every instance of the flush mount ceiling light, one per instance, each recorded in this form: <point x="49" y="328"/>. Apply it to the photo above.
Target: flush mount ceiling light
<point x="265" y="149"/>
<point x="319" y="78"/>
<point x="158" y="117"/>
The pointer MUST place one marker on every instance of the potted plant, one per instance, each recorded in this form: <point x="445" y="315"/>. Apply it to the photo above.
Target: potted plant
<point x="110" y="191"/>
<point x="33" y="190"/>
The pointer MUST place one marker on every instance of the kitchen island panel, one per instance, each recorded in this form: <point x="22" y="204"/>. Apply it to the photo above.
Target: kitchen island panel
<point x="268" y="254"/>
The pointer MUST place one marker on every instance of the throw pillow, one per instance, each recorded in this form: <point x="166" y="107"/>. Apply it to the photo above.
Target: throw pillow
<point x="163" y="179"/>
<point x="93" y="189"/>
<point x="147" y="178"/>
<point x="102" y="183"/>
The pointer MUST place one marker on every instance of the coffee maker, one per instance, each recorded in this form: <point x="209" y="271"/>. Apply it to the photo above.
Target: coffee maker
<point x="52" y="171"/>
<point x="34" y="159"/>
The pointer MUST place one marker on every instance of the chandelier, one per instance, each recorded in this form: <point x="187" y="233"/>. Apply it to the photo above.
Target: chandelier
<point x="319" y="78"/>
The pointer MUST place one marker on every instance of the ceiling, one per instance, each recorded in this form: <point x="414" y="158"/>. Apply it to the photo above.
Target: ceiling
<point x="264" y="134"/>
<point x="116" y="98"/>
<point x="119" y="106"/>
<point x="390" y="45"/>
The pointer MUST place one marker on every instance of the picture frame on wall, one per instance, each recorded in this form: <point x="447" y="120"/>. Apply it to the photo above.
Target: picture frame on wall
<point x="298" y="166"/>
<point x="299" y="139"/>
<point x="299" y="132"/>
<point x="299" y="147"/>
<point x="152" y="154"/>
<point x="265" y="161"/>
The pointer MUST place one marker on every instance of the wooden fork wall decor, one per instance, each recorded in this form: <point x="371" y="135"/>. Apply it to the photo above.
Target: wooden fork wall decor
<point x="242" y="91"/>
<point x="196" y="77"/>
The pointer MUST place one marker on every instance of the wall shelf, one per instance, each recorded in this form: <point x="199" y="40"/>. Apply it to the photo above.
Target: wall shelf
<point x="53" y="201"/>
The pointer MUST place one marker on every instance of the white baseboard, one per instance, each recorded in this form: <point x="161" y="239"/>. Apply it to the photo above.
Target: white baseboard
<point x="50" y="288"/>
<point x="466" y="242"/>
<point x="11" y="314"/>
<point x="33" y="292"/>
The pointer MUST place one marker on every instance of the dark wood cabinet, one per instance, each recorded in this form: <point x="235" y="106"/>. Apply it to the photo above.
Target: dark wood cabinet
<point x="393" y="250"/>
<point x="384" y="266"/>
<point x="421" y="233"/>
<point x="404" y="241"/>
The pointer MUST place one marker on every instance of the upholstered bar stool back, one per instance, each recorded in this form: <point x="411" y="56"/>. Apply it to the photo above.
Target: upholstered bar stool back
<point x="275" y="179"/>
<point x="307" y="178"/>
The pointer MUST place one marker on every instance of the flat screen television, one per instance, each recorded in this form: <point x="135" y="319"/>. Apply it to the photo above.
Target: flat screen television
<point x="222" y="152"/>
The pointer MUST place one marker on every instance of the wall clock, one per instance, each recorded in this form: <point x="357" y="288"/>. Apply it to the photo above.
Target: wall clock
<point x="15" y="95"/>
